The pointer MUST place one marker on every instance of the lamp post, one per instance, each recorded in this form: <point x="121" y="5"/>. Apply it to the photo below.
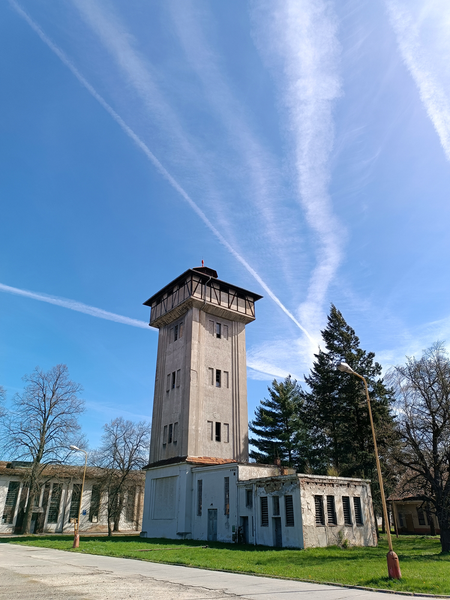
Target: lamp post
<point x="76" y="539"/>
<point x="392" y="558"/>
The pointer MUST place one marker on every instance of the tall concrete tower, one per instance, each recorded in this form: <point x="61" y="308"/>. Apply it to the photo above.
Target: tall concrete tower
<point x="200" y="400"/>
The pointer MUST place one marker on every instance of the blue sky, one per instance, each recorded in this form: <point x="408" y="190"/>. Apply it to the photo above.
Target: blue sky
<point x="301" y="148"/>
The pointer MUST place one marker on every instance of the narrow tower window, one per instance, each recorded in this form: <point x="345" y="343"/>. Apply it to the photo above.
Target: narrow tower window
<point x="170" y="433"/>
<point x="217" y="432"/>
<point x="173" y="380"/>
<point x="218" y="330"/>
<point x="175" y="333"/>
<point x="218" y="378"/>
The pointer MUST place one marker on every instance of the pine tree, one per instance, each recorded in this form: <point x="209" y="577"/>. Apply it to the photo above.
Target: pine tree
<point x="277" y="424"/>
<point x="335" y="409"/>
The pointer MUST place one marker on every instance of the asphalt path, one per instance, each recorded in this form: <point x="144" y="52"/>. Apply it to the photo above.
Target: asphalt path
<point x="31" y="573"/>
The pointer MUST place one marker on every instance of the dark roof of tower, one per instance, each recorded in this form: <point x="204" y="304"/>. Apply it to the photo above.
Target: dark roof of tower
<point x="206" y="273"/>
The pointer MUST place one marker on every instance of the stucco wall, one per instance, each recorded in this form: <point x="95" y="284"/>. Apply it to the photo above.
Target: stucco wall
<point x="327" y="535"/>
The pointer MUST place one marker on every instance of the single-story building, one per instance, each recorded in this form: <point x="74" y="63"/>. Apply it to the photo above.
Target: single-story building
<point x="411" y="515"/>
<point x="227" y="501"/>
<point x="59" y="500"/>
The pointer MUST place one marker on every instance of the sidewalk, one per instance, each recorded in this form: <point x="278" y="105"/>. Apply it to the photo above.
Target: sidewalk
<point x="31" y="573"/>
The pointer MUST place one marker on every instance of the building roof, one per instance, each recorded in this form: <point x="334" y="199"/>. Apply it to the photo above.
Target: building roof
<point x="205" y="274"/>
<point x="10" y="468"/>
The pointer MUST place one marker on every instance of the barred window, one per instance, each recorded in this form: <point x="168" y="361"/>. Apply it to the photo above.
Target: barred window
<point x="347" y="510"/>
<point x="75" y="502"/>
<point x="289" y="509"/>
<point x="11" y="501"/>
<point x="95" y="503"/>
<point x="55" y="501"/>
<point x="130" y="505"/>
<point x="264" y="512"/>
<point x="226" y="495"/>
<point x="331" y="511"/>
<point x="320" y="516"/>
<point x="358" y="511"/>
<point x="199" y="497"/>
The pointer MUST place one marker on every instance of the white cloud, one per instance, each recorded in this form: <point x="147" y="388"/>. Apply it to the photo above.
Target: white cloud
<point x="74" y="305"/>
<point x="298" y="39"/>
<point x="156" y="163"/>
<point x="422" y="66"/>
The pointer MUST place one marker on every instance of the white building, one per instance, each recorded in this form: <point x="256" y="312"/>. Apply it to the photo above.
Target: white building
<point x="199" y="484"/>
<point x="59" y="499"/>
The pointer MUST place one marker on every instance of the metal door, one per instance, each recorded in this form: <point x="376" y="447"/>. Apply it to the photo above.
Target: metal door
<point x="277" y="535"/>
<point x="212" y="524"/>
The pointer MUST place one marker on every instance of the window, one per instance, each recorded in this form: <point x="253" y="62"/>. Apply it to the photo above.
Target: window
<point x="75" y="502"/>
<point x="211" y="376"/>
<point x="248" y="498"/>
<point x="180" y="330"/>
<point x="421" y="517"/>
<point x="358" y="511"/>
<point x="11" y="501"/>
<point x="347" y="511"/>
<point x="175" y="432"/>
<point x="400" y="520"/>
<point x="211" y="327"/>
<point x="226" y="491"/>
<point x="226" y="433"/>
<point x="218" y="330"/>
<point x="218" y="378"/>
<point x="55" y="501"/>
<point x="276" y="506"/>
<point x="217" y="432"/>
<point x="95" y="504"/>
<point x="170" y="437"/>
<point x="175" y="333"/>
<point x="320" y="516"/>
<point x="178" y="377"/>
<point x="225" y="379"/>
<point x="225" y="332"/>
<point x="289" y="509"/>
<point x="168" y="383"/>
<point x="173" y="380"/>
<point x="331" y="511"/>
<point x="264" y="512"/>
<point x="130" y="505"/>
<point x="199" y="497"/>
<point x="210" y="427"/>
<point x="165" y="435"/>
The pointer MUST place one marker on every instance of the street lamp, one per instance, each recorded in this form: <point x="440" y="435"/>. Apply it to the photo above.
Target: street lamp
<point x="392" y="559"/>
<point x="76" y="539"/>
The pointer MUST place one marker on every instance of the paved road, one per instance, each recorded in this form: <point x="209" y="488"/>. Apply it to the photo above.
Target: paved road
<point x="39" y="573"/>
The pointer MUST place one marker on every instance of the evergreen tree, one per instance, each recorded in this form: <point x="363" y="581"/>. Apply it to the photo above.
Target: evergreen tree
<point x="335" y="408"/>
<point x="277" y="425"/>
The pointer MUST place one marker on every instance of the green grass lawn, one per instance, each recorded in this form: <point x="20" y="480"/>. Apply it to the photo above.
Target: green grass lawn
<point x="424" y="569"/>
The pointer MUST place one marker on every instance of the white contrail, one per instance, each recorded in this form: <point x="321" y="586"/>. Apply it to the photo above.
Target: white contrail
<point x="74" y="305"/>
<point x="298" y="38"/>
<point x="162" y="170"/>
<point x="432" y="94"/>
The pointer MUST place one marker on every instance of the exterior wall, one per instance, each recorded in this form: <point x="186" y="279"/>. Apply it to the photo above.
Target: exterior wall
<point x="63" y="524"/>
<point x="406" y="515"/>
<point x="195" y="404"/>
<point x="172" y="504"/>
<point x="290" y="535"/>
<point x="328" y="535"/>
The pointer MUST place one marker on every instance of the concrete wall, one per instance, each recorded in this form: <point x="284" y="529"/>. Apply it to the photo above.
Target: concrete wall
<point x="290" y="534"/>
<point x="328" y="535"/>
<point x="196" y="403"/>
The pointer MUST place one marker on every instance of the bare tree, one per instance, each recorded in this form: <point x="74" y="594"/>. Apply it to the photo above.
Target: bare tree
<point x="123" y="453"/>
<point x="41" y="425"/>
<point x="2" y="401"/>
<point x="422" y="388"/>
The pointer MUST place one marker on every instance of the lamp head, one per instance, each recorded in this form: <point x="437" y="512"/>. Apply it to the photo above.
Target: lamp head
<point x="74" y="447"/>
<point x="345" y="368"/>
